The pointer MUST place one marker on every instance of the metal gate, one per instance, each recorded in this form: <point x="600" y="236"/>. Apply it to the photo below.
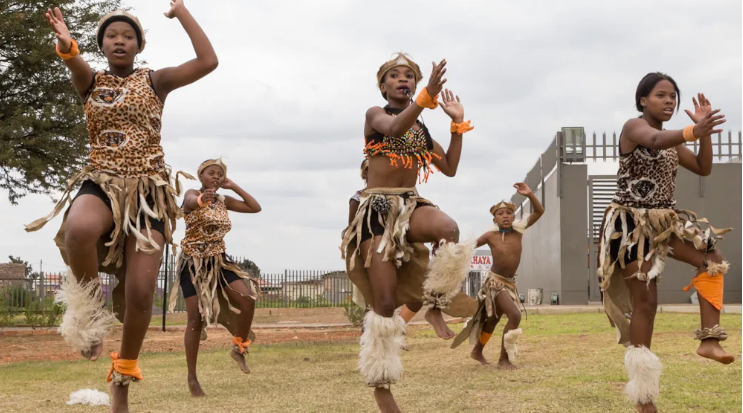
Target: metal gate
<point x="601" y="189"/>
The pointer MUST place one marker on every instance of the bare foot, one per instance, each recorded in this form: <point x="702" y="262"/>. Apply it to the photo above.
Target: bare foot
<point x="119" y="398"/>
<point x="647" y="408"/>
<point x="476" y="354"/>
<point x="506" y="365"/>
<point x="711" y="349"/>
<point x="195" y="388"/>
<point x="240" y="359"/>
<point x="93" y="353"/>
<point x="436" y="319"/>
<point x="385" y="401"/>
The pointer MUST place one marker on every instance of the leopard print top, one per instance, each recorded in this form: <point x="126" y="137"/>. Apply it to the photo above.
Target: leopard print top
<point x="124" y="118"/>
<point x="205" y="230"/>
<point x="647" y="178"/>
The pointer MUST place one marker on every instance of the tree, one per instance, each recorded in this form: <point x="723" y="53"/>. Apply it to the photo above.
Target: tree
<point x="18" y="260"/>
<point x="43" y="138"/>
<point x="250" y="267"/>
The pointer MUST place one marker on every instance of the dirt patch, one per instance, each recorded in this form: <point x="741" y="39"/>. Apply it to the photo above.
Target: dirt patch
<point x="52" y="347"/>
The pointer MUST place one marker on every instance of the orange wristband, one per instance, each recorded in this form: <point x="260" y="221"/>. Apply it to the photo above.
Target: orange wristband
<point x="461" y="128"/>
<point x="200" y="202"/>
<point x="425" y="100"/>
<point x="689" y="134"/>
<point x="74" y="51"/>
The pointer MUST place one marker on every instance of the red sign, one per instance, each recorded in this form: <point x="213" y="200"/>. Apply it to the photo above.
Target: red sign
<point x="481" y="263"/>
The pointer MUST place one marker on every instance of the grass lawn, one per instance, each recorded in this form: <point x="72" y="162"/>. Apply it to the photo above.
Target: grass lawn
<point x="568" y="363"/>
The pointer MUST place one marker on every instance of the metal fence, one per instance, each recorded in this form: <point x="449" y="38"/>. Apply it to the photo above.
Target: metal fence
<point x="290" y="289"/>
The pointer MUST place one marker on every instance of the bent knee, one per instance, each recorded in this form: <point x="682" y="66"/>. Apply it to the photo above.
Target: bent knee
<point x="80" y="233"/>
<point x="714" y="256"/>
<point x="449" y="231"/>
<point x="385" y="308"/>
<point x="514" y="317"/>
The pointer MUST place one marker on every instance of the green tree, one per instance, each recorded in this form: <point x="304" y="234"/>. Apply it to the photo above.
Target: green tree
<point x="18" y="260"/>
<point x="43" y="138"/>
<point x="250" y="267"/>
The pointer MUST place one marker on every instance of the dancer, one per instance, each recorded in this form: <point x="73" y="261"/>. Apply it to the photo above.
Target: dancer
<point x="642" y="227"/>
<point x="498" y="294"/>
<point x="384" y="244"/>
<point x="461" y="305"/>
<point x="210" y="281"/>
<point x="125" y="211"/>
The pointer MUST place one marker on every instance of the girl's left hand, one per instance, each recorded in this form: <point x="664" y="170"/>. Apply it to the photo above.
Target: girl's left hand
<point x="701" y="108"/>
<point x="175" y="5"/>
<point x="452" y="106"/>
<point x="228" y="184"/>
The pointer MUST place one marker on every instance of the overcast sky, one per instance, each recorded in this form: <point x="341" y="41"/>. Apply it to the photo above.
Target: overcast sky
<point x="285" y="108"/>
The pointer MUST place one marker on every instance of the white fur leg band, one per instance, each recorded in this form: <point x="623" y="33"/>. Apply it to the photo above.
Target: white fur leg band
<point x="85" y="322"/>
<point x="379" y="358"/>
<point x="509" y="343"/>
<point x="448" y="268"/>
<point x="643" y="370"/>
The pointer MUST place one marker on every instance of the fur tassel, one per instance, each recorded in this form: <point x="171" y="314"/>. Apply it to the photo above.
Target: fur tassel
<point x="643" y="370"/>
<point x="85" y="322"/>
<point x="714" y="268"/>
<point x="446" y="271"/>
<point x="657" y="269"/>
<point x="509" y="342"/>
<point x="91" y="397"/>
<point x="379" y="358"/>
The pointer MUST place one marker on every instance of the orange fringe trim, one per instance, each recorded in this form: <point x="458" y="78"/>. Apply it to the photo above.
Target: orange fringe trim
<point x="243" y="346"/>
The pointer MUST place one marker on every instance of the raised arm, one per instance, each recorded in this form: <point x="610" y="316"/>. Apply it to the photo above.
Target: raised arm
<point x="449" y="162"/>
<point x="701" y="163"/>
<point x="171" y="78"/>
<point x="247" y="205"/>
<point x="396" y="126"/>
<point x="524" y="190"/>
<point x="639" y="132"/>
<point x="82" y="75"/>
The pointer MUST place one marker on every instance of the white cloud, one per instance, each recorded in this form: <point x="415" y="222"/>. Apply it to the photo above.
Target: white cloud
<point x="285" y="107"/>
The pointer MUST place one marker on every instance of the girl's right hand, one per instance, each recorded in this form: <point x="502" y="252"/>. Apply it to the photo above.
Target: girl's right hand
<point x="56" y="22"/>
<point x="209" y="196"/>
<point x="435" y="83"/>
<point x="706" y="126"/>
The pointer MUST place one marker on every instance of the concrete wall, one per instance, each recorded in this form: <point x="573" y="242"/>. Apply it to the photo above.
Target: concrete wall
<point x="541" y="258"/>
<point x="721" y="204"/>
<point x="573" y="238"/>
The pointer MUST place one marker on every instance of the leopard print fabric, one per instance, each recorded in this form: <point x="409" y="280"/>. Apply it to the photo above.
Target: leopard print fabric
<point x="205" y="230"/>
<point x="124" y="119"/>
<point x="647" y="178"/>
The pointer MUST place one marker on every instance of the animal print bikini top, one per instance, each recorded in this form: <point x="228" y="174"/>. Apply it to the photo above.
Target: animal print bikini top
<point x="647" y="178"/>
<point x="413" y="145"/>
<point x="205" y="230"/>
<point x="124" y="117"/>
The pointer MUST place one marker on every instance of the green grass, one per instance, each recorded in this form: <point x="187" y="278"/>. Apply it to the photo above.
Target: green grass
<point x="568" y="363"/>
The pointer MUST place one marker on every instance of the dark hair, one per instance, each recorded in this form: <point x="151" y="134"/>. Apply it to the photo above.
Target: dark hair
<point x="124" y="19"/>
<point x="381" y="82"/>
<point x="647" y="84"/>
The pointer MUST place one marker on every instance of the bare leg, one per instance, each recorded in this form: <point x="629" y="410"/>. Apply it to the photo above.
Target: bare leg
<point x="87" y="221"/>
<point x="477" y="350"/>
<point x="141" y="278"/>
<point x="239" y="297"/>
<point x="191" y="342"/>
<point x="429" y="224"/>
<point x="383" y="280"/>
<point x="645" y="297"/>
<point x="685" y="252"/>
<point x="505" y="305"/>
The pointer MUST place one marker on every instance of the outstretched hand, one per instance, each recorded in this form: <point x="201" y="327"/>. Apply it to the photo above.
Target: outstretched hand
<point x="701" y="108"/>
<point x="56" y="22"/>
<point x="175" y="5"/>
<point x="522" y="188"/>
<point x="452" y="106"/>
<point x="435" y="83"/>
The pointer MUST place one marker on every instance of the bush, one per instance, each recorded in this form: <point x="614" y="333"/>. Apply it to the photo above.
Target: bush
<point x="354" y="314"/>
<point x="14" y="297"/>
<point x="5" y="315"/>
<point x="34" y="312"/>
